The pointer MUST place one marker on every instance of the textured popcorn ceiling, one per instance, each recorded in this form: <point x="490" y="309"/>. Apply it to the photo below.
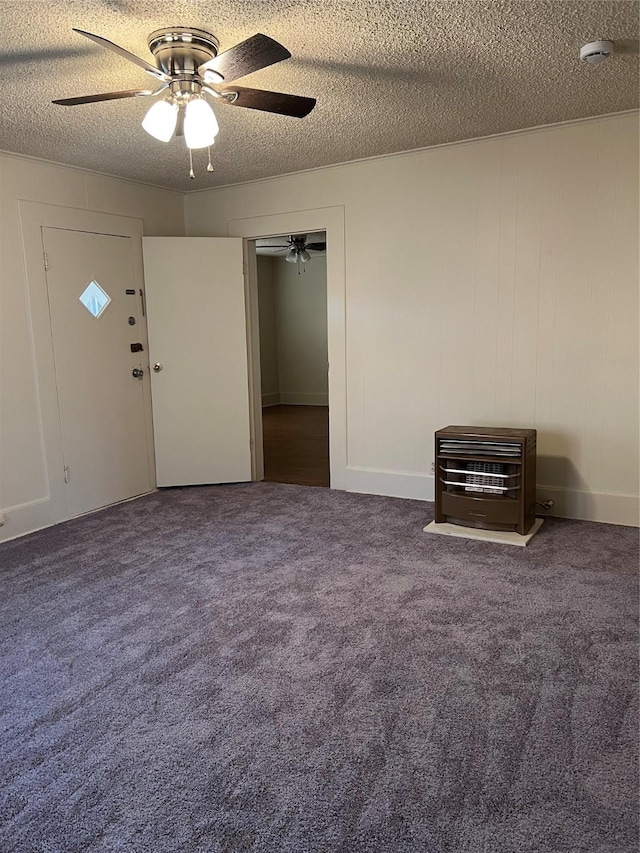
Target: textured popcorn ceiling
<point x="389" y="76"/>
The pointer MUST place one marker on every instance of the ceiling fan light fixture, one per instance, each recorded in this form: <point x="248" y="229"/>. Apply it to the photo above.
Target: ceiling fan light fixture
<point x="292" y="256"/>
<point x="200" y="124"/>
<point x="186" y="60"/>
<point x="304" y="256"/>
<point x="160" y="120"/>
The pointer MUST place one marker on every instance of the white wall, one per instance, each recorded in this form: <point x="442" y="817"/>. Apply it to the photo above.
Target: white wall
<point x="269" y="379"/>
<point x="25" y="482"/>
<point x="491" y="282"/>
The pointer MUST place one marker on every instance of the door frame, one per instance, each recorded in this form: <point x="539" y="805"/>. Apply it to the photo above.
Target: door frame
<point x="34" y="216"/>
<point x="331" y="221"/>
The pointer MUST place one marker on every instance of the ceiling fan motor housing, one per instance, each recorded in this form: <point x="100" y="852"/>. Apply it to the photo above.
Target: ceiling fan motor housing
<point x="181" y="50"/>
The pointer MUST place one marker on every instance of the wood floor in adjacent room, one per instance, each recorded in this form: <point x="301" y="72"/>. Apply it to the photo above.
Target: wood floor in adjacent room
<point x="296" y="444"/>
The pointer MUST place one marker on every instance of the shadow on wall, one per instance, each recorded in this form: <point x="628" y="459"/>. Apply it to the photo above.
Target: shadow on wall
<point x="557" y="474"/>
<point x="555" y="468"/>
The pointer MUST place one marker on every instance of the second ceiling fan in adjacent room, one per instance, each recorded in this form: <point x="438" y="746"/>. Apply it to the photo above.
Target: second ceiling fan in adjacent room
<point x="296" y="250"/>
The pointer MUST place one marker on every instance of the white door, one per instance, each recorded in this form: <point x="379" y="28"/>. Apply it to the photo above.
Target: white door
<point x="198" y="349"/>
<point x="95" y="320"/>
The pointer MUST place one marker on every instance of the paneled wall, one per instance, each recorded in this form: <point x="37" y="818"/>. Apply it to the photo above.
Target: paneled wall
<point x="492" y="282"/>
<point x="25" y="482"/>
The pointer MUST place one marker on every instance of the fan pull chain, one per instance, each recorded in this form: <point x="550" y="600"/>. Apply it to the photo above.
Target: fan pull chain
<point x="191" y="172"/>
<point x="209" y="164"/>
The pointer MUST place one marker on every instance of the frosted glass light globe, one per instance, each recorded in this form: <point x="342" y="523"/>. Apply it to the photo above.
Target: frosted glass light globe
<point x="200" y="124"/>
<point x="160" y="120"/>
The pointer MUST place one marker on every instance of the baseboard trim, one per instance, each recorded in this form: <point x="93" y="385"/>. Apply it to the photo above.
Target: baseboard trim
<point x="394" y="484"/>
<point x="26" y="505"/>
<point x="294" y="398"/>
<point x="592" y="506"/>
<point x="19" y="527"/>
<point x="28" y="517"/>
<point x="272" y="399"/>
<point x="568" y="503"/>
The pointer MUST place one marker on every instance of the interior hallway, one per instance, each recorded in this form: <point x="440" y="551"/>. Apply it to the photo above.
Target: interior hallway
<point x="296" y="444"/>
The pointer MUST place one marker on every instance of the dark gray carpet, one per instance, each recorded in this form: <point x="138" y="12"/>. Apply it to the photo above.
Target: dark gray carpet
<point x="281" y="668"/>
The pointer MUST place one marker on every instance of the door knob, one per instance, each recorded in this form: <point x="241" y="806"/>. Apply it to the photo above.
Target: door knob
<point x="157" y="367"/>
<point x="137" y="373"/>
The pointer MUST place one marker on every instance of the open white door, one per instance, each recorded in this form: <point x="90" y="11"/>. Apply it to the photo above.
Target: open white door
<point x="198" y="355"/>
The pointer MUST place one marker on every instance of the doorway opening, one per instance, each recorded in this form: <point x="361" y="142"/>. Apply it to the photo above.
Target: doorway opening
<point x="292" y="320"/>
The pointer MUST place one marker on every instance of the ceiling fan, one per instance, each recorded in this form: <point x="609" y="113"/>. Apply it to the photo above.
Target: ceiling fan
<point x="188" y="67"/>
<point x="298" y="248"/>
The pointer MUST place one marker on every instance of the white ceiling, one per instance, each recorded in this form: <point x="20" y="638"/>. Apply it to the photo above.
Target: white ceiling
<point x="389" y="76"/>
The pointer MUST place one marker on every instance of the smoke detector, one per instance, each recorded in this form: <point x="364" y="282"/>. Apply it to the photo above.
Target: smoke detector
<point x="596" y="52"/>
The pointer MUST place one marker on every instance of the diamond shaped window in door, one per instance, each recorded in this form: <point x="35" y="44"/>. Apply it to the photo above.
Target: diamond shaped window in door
<point x="94" y="299"/>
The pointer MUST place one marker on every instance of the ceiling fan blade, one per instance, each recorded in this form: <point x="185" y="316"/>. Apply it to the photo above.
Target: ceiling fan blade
<point x="105" y="96"/>
<point x="142" y="63"/>
<point x="251" y="55"/>
<point x="295" y="106"/>
<point x="316" y="247"/>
